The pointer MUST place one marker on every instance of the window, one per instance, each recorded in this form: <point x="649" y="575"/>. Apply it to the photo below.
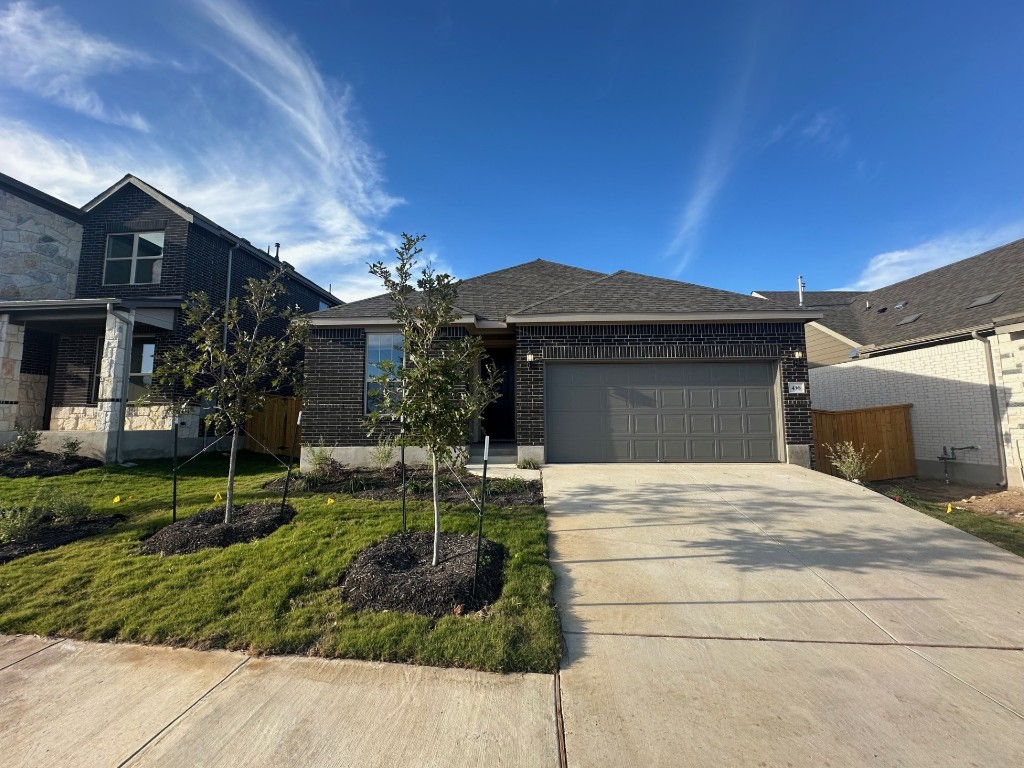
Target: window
<point x="141" y="373"/>
<point x="134" y="259"/>
<point x="380" y="347"/>
<point x="324" y="305"/>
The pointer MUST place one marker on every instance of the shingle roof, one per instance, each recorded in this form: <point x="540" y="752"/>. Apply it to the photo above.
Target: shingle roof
<point x="941" y="298"/>
<point x="631" y="293"/>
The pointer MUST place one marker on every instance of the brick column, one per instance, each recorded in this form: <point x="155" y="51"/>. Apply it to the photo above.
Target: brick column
<point x="12" y="344"/>
<point x="117" y="340"/>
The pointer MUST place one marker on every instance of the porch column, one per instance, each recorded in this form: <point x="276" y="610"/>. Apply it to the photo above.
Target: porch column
<point x="117" y="344"/>
<point x="12" y="344"/>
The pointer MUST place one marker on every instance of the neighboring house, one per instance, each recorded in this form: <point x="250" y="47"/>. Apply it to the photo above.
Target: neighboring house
<point x="595" y="368"/>
<point x="89" y="296"/>
<point x="950" y="342"/>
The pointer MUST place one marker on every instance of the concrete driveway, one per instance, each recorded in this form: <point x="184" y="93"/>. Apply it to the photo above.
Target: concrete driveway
<point x="767" y="615"/>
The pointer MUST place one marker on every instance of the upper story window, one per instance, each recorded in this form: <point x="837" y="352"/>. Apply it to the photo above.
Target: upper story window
<point x="379" y="347"/>
<point x="324" y="305"/>
<point x="134" y="259"/>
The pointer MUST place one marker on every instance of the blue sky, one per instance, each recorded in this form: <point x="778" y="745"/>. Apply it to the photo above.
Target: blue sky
<point x="732" y="144"/>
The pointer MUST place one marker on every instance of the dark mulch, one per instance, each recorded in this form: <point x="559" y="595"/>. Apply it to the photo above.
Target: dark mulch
<point x="206" y="529"/>
<point x="44" y="464"/>
<point x="386" y="485"/>
<point x="51" y="538"/>
<point x="396" y="575"/>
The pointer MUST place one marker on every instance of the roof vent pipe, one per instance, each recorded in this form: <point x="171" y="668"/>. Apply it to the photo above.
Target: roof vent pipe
<point x="277" y="251"/>
<point x="800" y="288"/>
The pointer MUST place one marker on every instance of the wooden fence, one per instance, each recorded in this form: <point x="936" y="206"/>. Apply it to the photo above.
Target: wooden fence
<point x="275" y="427"/>
<point x="885" y="429"/>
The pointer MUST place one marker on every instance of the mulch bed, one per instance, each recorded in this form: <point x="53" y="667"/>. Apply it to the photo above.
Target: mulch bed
<point x="44" y="464"/>
<point x="396" y="575"/>
<point x="386" y="485"/>
<point x="51" y="538"/>
<point x="206" y="529"/>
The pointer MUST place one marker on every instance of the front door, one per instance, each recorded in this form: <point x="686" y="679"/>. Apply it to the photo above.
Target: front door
<point x="499" y="419"/>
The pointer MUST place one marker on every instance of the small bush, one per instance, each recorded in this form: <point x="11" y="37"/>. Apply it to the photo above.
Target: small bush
<point x="902" y="495"/>
<point x="528" y="464"/>
<point x="69" y="448"/>
<point x="25" y="441"/>
<point x="507" y="486"/>
<point x="62" y="508"/>
<point x="852" y="463"/>
<point x="382" y="455"/>
<point x="48" y="508"/>
<point x="319" y="456"/>
<point x="18" y="524"/>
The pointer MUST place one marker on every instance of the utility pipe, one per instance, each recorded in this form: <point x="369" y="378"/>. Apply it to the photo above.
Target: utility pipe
<point x="997" y="421"/>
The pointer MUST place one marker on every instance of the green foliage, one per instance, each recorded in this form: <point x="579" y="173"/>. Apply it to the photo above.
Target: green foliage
<point x="852" y="463"/>
<point x="69" y="448"/>
<point x="260" y="355"/>
<point x="25" y="440"/>
<point x="19" y="524"/>
<point x="904" y="496"/>
<point x="48" y="508"/>
<point x="319" y="456"/>
<point x="382" y="455"/>
<point x="528" y="464"/>
<point x="507" y="486"/>
<point x="438" y="392"/>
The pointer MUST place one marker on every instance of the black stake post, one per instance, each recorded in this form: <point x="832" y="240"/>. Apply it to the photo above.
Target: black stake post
<point x="291" y="461"/>
<point x="405" y="525"/>
<point x="174" y="475"/>
<point x="480" y="513"/>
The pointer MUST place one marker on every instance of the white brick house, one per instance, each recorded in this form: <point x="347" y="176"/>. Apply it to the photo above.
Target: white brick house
<point x="950" y="342"/>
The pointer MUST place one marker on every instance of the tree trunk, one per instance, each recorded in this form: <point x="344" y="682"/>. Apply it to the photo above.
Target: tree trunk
<point x="229" y="507"/>
<point x="437" y="515"/>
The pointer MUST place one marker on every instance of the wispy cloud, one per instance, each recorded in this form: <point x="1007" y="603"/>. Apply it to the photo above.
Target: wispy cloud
<point x="47" y="54"/>
<point x="823" y="128"/>
<point x="894" y="266"/>
<point x="271" y="149"/>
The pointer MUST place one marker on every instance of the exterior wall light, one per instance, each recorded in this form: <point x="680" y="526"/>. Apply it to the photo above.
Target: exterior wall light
<point x="529" y="357"/>
<point x="798" y="354"/>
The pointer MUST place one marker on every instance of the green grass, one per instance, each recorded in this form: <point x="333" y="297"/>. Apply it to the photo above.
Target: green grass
<point x="277" y="595"/>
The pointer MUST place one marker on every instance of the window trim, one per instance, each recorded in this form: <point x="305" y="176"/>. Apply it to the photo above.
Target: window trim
<point x="366" y="363"/>
<point x="134" y="259"/>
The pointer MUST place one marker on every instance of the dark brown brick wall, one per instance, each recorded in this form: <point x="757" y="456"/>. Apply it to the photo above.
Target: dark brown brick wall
<point x="694" y="341"/>
<point x="75" y="369"/>
<point x="38" y="351"/>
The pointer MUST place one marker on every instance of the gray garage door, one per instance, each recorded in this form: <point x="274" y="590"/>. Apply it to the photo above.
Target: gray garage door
<point x="605" y="412"/>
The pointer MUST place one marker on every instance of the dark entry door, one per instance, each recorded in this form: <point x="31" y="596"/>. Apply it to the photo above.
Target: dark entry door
<point x="499" y="420"/>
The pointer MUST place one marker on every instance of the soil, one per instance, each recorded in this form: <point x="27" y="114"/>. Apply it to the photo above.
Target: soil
<point x="51" y="538"/>
<point x="206" y="529"/>
<point x="386" y="485"/>
<point x="397" y="575"/>
<point x="43" y="464"/>
<point x="1007" y="505"/>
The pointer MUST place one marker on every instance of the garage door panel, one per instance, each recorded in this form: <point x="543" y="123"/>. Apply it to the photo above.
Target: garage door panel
<point x="707" y="411"/>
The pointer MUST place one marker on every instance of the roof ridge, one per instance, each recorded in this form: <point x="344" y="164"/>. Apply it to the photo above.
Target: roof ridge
<point x="563" y="293"/>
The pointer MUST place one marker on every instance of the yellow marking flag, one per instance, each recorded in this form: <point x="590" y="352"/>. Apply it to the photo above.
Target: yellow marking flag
<point x="330" y="500"/>
<point x="218" y="497"/>
<point x="949" y="508"/>
<point x="117" y="499"/>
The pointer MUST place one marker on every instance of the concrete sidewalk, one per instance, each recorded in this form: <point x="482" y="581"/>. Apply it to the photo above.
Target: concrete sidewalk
<point x="88" y="704"/>
<point x="768" y="615"/>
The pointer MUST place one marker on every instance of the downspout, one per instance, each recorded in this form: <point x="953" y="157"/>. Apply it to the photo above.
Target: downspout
<point x="993" y="391"/>
<point x="130" y="322"/>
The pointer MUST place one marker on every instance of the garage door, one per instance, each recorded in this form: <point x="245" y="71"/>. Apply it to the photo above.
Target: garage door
<point x="609" y="412"/>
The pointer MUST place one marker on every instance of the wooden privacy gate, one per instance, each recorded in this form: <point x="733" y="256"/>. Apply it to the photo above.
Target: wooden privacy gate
<point x="885" y="429"/>
<point x="275" y="427"/>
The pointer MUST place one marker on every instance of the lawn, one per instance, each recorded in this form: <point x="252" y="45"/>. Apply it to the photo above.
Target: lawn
<point x="277" y="595"/>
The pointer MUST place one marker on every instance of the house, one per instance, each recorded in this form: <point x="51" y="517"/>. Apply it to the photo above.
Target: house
<point x="595" y="368"/>
<point x="89" y="296"/>
<point x="950" y="342"/>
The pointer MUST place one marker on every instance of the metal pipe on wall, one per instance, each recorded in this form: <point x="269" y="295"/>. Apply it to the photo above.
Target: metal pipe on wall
<point x="993" y="391"/>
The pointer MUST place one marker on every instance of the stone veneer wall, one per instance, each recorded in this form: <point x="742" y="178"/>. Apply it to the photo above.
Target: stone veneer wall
<point x="688" y="341"/>
<point x="39" y="251"/>
<point x="73" y="418"/>
<point x="32" y="400"/>
<point x="1008" y="354"/>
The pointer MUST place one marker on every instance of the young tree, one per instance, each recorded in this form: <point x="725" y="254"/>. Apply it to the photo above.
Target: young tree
<point x="234" y="357"/>
<point x="438" y="391"/>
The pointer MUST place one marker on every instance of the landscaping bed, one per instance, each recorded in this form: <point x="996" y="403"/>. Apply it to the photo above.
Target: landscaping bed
<point x="51" y="536"/>
<point x="43" y="464"/>
<point x="206" y="529"/>
<point x="397" y="575"/>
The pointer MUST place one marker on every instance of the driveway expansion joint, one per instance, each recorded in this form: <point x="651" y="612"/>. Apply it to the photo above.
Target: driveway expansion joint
<point x="563" y="760"/>
<point x="29" y="656"/>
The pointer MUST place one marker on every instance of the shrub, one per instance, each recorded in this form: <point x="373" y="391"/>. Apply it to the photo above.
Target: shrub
<point x="26" y="440"/>
<point x="62" y="508"/>
<point x="18" y="524"/>
<point x="528" y="464"/>
<point x="382" y="455"/>
<point x="319" y="456"/>
<point x="69" y="448"/>
<point x="507" y="486"/>
<point x="852" y="463"/>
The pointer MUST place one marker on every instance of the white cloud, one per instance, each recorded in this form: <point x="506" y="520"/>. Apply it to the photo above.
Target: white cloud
<point x="825" y="128"/>
<point x="46" y="54"/>
<point x="894" y="266"/>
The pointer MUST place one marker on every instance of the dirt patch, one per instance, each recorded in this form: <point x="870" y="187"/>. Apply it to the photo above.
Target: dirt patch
<point x="1007" y="505"/>
<point x="207" y="529"/>
<point x="44" y="464"/>
<point x="53" y="537"/>
<point x="397" y="575"/>
<point x="386" y="485"/>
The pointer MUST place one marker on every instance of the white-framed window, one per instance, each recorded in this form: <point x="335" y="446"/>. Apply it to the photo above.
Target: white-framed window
<point x="140" y="375"/>
<point x="380" y="347"/>
<point x="134" y="258"/>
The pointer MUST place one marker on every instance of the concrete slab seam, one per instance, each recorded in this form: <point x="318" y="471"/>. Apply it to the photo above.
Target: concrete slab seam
<point x="182" y="714"/>
<point x="961" y="680"/>
<point x="563" y="760"/>
<point x="29" y="656"/>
